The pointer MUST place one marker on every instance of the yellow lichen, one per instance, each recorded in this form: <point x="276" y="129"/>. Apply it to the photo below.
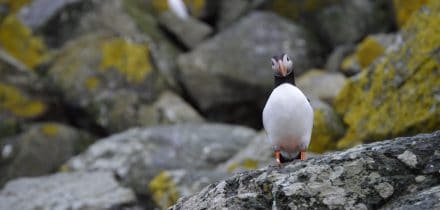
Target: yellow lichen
<point x="92" y="83"/>
<point x="14" y="5"/>
<point x="164" y="190"/>
<point x="49" y="129"/>
<point x="130" y="59"/>
<point x="17" y="39"/>
<point x="368" y="50"/>
<point x="405" y="8"/>
<point x="247" y="163"/>
<point x="323" y="138"/>
<point x="397" y="95"/>
<point x="14" y="102"/>
<point x="159" y="5"/>
<point x="293" y="9"/>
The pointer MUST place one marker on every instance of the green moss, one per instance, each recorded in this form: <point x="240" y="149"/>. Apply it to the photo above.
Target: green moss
<point x="163" y="190"/>
<point x="131" y="60"/>
<point x="405" y="8"/>
<point x="13" y="101"/>
<point x="397" y="96"/>
<point x="50" y="129"/>
<point x="14" y="5"/>
<point x="17" y="39"/>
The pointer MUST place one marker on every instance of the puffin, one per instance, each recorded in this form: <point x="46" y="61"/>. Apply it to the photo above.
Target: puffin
<point x="287" y="115"/>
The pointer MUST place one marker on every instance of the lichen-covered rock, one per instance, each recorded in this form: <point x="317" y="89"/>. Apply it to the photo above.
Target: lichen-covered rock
<point x="244" y="75"/>
<point x="138" y="155"/>
<point x="197" y="8"/>
<point x="19" y="41"/>
<point x="327" y="127"/>
<point x="189" y="31"/>
<point x="365" y="177"/>
<point x="321" y="85"/>
<point x="425" y="199"/>
<point x="404" y="9"/>
<point x="368" y="51"/>
<point x="170" y="185"/>
<point x="14" y="5"/>
<point x="109" y="77"/>
<point x="67" y="191"/>
<point x="41" y="149"/>
<point x="336" y="57"/>
<point x="168" y="109"/>
<point x="338" y="21"/>
<point x="399" y="94"/>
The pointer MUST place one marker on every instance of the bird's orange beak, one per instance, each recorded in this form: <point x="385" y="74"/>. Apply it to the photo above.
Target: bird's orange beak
<point x="282" y="69"/>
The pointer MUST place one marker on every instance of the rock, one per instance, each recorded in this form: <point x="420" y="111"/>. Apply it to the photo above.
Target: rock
<point x="41" y="149"/>
<point x="18" y="41"/>
<point x="334" y="60"/>
<point x="138" y="155"/>
<point x="230" y="11"/>
<point x="404" y="9"/>
<point x="365" y="177"/>
<point x="257" y="154"/>
<point x="168" y="109"/>
<point x="327" y="127"/>
<point x="79" y="190"/>
<point x="197" y="8"/>
<point x="338" y="21"/>
<point x="169" y="185"/>
<point x="321" y="85"/>
<point x="398" y="94"/>
<point x="244" y="76"/>
<point x="425" y="199"/>
<point x="368" y="51"/>
<point x="189" y="31"/>
<point x="109" y="77"/>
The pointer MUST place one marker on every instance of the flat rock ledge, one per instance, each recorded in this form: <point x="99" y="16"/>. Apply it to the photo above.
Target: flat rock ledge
<point x="402" y="173"/>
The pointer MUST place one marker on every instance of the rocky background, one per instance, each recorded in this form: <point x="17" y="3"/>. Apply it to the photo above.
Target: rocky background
<point x="124" y="104"/>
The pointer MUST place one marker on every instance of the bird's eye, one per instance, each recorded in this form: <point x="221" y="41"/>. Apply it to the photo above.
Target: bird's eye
<point x="287" y="59"/>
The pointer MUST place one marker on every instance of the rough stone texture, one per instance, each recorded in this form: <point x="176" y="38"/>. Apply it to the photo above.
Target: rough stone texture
<point x="327" y="127"/>
<point x="168" y="109"/>
<point x="189" y="31"/>
<point x="368" y="51"/>
<point x="109" y="77"/>
<point x="425" y="199"/>
<point x="334" y="60"/>
<point x="321" y="85"/>
<point x="66" y="191"/>
<point x="364" y="177"/>
<point x="138" y="155"/>
<point x="244" y="75"/>
<point x="232" y="10"/>
<point x="338" y="21"/>
<point x="398" y="95"/>
<point x="169" y="185"/>
<point x="41" y="149"/>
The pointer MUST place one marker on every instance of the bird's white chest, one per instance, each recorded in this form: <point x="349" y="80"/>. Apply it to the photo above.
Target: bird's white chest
<point x="288" y="118"/>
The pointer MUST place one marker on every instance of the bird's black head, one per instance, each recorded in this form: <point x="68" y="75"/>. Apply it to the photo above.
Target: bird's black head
<point x="282" y="67"/>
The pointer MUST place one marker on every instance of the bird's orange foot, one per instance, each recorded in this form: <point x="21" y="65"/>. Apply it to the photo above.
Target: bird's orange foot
<point x="303" y="155"/>
<point x="277" y="157"/>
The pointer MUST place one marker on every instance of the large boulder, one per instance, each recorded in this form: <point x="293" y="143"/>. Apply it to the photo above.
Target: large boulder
<point x="365" y="177"/>
<point x="397" y="95"/>
<point x="67" y="191"/>
<point x="41" y="149"/>
<point x="338" y="21"/>
<point x="321" y="85"/>
<point x="232" y="10"/>
<point x="244" y="75"/>
<point x="138" y="155"/>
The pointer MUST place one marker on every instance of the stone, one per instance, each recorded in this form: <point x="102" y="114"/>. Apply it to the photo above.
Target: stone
<point x="397" y="95"/>
<point x="232" y="10"/>
<point x="336" y="57"/>
<point x="408" y="158"/>
<point x="140" y="154"/>
<point x="40" y="150"/>
<point x="63" y="191"/>
<point x="189" y="31"/>
<point x="404" y="9"/>
<point x="216" y="81"/>
<point x="364" y="177"/>
<point x="321" y="85"/>
<point x="168" y="109"/>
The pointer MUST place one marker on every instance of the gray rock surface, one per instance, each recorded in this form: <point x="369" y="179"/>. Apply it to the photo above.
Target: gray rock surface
<point x="321" y="84"/>
<point x="189" y="31"/>
<point x="334" y="60"/>
<point x="245" y="75"/>
<point x="421" y="200"/>
<point x="365" y="177"/>
<point x="230" y="11"/>
<point x="41" y="149"/>
<point x="138" y="155"/>
<point x="66" y="191"/>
